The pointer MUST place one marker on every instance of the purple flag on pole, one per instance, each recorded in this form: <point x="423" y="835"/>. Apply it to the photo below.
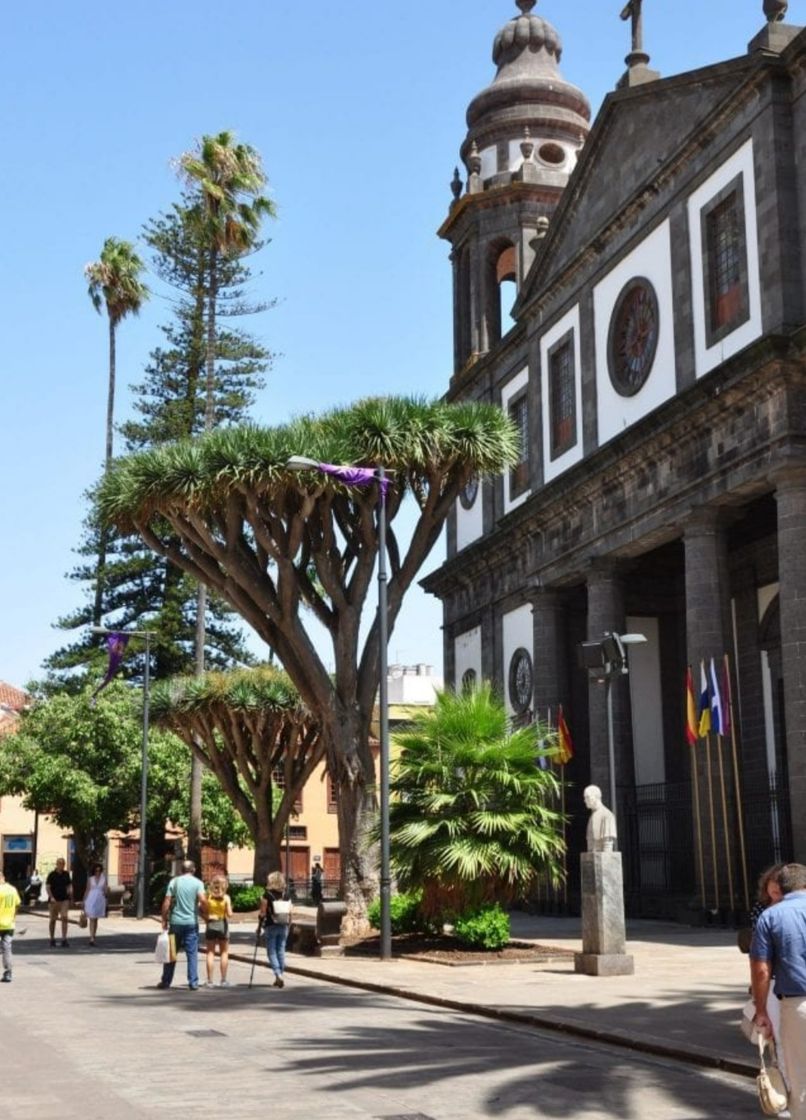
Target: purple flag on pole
<point x="355" y="476"/>
<point x="116" y="645"/>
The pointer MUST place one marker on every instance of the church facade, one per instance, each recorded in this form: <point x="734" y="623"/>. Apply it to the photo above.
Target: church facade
<point x="652" y="262"/>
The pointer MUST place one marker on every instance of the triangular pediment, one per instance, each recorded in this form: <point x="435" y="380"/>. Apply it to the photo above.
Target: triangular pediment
<point x="638" y="136"/>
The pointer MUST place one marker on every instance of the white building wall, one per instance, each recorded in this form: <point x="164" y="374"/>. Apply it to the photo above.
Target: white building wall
<point x="646" y="700"/>
<point x="707" y="358"/>
<point x="517" y="633"/>
<point x="467" y="654"/>
<point x="651" y="259"/>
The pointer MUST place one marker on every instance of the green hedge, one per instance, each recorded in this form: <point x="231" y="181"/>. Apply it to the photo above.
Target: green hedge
<point x="487" y="928"/>
<point x="404" y="910"/>
<point x="245" y="896"/>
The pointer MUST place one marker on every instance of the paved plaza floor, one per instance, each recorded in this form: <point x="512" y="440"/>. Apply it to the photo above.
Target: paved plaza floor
<point x="85" y="1033"/>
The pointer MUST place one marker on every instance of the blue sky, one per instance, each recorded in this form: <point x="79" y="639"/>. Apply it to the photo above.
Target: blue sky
<point x="358" y="110"/>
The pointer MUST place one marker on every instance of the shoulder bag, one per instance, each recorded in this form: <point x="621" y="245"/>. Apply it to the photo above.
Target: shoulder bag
<point x="772" y="1093"/>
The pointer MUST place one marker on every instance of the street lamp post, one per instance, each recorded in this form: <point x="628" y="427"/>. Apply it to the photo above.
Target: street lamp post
<point x="607" y="660"/>
<point x="141" y="860"/>
<point x="350" y="475"/>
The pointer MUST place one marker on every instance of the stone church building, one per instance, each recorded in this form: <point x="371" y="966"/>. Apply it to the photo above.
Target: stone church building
<point x="631" y="290"/>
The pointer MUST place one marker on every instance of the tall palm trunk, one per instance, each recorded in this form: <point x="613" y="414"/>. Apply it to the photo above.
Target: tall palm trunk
<point x="195" y="823"/>
<point x="103" y="538"/>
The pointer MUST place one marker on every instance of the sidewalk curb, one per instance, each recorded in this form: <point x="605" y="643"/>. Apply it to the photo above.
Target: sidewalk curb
<point x="692" y="1055"/>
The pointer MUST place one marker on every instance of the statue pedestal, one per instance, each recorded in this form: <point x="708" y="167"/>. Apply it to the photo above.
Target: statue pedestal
<point x="603" y="934"/>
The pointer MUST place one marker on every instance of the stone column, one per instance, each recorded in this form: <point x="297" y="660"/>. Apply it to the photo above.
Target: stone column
<point x="606" y="615"/>
<point x="791" y="497"/>
<point x="708" y="633"/>
<point x="550" y="652"/>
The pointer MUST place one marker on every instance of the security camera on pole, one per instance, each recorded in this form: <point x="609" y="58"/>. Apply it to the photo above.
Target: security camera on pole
<point x="603" y="928"/>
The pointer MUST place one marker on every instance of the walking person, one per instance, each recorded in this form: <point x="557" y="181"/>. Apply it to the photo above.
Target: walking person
<point x="33" y="888"/>
<point x="184" y="900"/>
<point x="317" y="874"/>
<point x="275" y="916"/>
<point x="9" y="901"/>
<point x="779" y="949"/>
<point x="95" y="899"/>
<point x="219" y="912"/>
<point x="59" y="886"/>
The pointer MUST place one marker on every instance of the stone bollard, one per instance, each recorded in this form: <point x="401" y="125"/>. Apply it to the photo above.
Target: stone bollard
<point x="603" y="932"/>
<point x="329" y="917"/>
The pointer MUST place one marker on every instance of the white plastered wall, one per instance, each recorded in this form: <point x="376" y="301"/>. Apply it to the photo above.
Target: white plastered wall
<point x="651" y="259"/>
<point x="554" y="467"/>
<point x="469" y="522"/>
<point x="517" y="633"/>
<point x="467" y="654"/>
<point x="706" y="357"/>
<point x="647" y="703"/>
<point x="509" y="390"/>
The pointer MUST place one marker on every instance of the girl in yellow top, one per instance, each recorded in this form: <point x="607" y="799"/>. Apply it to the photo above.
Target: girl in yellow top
<point x="218" y="913"/>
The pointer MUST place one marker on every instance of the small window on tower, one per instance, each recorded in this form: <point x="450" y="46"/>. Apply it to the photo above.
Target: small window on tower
<point x="519" y="474"/>
<point x="562" y="396"/>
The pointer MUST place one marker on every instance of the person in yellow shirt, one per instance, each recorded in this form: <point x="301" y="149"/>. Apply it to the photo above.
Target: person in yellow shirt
<point x="9" y="901"/>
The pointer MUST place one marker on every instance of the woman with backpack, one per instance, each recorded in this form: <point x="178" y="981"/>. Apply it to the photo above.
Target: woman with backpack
<point x="275" y="917"/>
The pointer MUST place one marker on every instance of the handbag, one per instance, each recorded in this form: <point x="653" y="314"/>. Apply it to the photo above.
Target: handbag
<point x="83" y="920"/>
<point x="770" y="1085"/>
<point x="217" y="927"/>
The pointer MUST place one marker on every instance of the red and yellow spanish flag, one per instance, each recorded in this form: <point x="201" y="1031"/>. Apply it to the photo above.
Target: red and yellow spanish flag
<point x="691" y="710"/>
<point x="565" y="746"/>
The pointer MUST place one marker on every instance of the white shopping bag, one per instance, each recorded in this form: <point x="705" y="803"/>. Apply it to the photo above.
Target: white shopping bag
<point x="162" y="950"/>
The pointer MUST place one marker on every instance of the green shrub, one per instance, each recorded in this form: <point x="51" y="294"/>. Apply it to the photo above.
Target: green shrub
<point x="404" y="911"/>
<point x="245" y="896"/>
<point x="487" y="928"/>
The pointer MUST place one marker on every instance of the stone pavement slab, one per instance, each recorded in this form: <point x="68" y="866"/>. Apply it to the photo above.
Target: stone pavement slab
<point x="85" y="1034"/>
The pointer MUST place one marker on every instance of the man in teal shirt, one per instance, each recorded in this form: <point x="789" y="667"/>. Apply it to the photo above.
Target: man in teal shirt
<point x="184" y="899"/>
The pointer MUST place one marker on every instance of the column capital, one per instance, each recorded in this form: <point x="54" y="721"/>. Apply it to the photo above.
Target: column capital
<point x="703" y="521"/>
<point x="791" y="476"/>
<point x="603" y="569"/>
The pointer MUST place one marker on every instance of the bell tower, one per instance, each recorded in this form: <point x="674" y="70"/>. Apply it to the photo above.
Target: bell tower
<point x="524" y="133"/>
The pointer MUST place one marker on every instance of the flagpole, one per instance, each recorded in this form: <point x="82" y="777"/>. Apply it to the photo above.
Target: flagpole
<point x="728" y="853"/>
<point x="698" y="818"/>
<point x="737" y="785"/>
<point x="712" y="816"/>
<point x="565" y="846"/>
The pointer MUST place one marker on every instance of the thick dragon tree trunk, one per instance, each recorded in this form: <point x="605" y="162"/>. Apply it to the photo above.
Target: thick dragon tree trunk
<point x="267" y="857"/>
<point x="357" y="816"/>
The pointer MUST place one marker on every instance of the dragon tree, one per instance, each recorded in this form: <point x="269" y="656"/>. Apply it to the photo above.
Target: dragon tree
<point x="288" y="548"/>
<point x="250" y="728"/>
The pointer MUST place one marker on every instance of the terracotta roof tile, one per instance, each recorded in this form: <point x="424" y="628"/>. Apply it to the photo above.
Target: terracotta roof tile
<point x="14" y="698"/>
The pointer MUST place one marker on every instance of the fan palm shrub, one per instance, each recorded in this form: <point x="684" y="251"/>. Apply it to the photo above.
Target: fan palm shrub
<point x="474" y="819"/>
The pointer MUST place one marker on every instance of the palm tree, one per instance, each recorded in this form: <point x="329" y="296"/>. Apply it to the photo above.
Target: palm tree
<point x="228" y="179"/>
<point x="115" y="285"/>
<point x="473" y="818"/>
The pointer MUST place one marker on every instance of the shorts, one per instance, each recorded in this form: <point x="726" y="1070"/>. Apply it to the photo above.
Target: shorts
<point x="58" y="909"/>
<point x="212" y="936"/>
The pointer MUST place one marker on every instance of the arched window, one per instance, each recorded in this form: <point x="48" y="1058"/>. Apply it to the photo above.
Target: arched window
<point x="501" y="289"/>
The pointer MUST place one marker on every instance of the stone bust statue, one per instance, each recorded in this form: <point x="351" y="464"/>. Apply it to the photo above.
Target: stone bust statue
<point x="601" y="831"/>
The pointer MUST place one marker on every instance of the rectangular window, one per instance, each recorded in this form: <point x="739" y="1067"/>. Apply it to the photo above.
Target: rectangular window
<point x="562" y="396"/>
<point x="725" y="260"/>
<point x="519" y="415"/>
<point x="278" y="780"/>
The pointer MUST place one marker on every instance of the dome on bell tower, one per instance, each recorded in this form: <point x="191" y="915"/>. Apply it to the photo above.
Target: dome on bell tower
<point x="524" y="133"/>
<point x="523" y="32"/>
<point x="528" y="95"/>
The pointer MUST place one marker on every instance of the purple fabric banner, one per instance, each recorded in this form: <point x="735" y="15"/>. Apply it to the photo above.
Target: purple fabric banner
<point x="116" y="645"/>
<point x="355" y="476"/>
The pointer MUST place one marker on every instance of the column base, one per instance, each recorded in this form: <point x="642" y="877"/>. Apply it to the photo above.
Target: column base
<point x="604" y="964"/>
